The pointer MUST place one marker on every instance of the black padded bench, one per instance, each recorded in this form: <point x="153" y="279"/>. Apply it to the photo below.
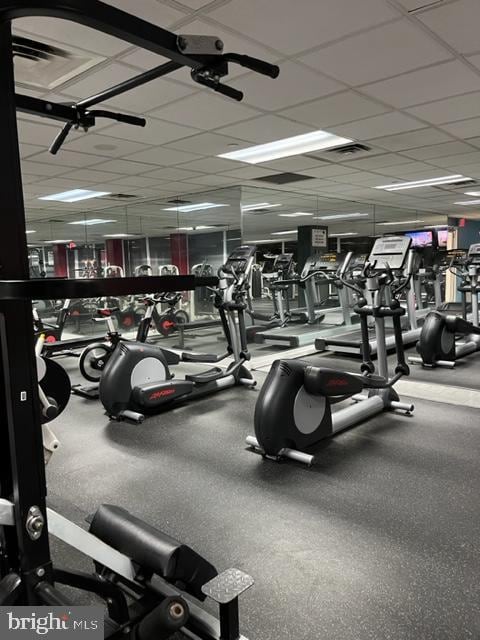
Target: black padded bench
<point x="153" y="551"/>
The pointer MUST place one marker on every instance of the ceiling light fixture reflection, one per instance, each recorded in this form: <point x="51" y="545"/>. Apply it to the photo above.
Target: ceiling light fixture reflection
<point x="57" y="241"/>
<point x="400" y="222"/>
<point x="119" y="235"/>
<point x="284" y="233"/>
<point x="466" y="203"/>
<point x="286" y="147"/>
<point x="201" y="206"/>
<point x="342" y="216"/>
<point x="472" y="193"/>
<point x="75" y="195"/>
<point x="199" y="228"/>
<point x="297" y="214"/>
<point x="92" y="221"/>
<point x="341" y="235"/>
<point x="417" y="184"/>
<point x="259" y="205"/>
<point x="30" y="231"/>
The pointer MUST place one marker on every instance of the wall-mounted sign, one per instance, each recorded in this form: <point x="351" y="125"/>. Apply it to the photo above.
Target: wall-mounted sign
<point x="319" y="237"/>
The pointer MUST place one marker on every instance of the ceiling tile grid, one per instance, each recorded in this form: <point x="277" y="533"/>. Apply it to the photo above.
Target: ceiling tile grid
<point x="405" y="84"/>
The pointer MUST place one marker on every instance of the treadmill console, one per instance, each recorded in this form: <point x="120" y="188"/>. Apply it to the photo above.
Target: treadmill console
<point x="283" y="264"/>
<point x="474" y="254"/>
<point x="241" y="259"/>
<point x="392" y="250"/>
<point x="326" y="262"/>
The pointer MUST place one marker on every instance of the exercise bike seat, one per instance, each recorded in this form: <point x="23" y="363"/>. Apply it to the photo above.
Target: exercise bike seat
<point x="205" y="376"/>
<point x="153" y="551"/>
<point x="330" y="382"/>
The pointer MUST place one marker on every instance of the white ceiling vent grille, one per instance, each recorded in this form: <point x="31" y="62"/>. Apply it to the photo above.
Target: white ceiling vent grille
<point x="44" y="66"/>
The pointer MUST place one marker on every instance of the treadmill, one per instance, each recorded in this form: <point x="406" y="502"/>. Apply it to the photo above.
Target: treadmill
<point x="318" y="320"/>
<point x="350" y="342"/>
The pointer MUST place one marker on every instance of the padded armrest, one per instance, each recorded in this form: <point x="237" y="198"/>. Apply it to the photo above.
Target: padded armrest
<point x="152" y="550"/>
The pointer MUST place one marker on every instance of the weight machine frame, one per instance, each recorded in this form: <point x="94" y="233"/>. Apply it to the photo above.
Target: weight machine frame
<point x="24" y="544"/>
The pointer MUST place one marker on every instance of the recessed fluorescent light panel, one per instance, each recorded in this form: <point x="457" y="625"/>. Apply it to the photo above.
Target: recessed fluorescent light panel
<point x="400" y="222"/>
<point x="57" y="241"/>
<point x="284" y="233"/>
<point x="297" y="214"/>
<point x="30" y="231"/>
<point x="92" y="221"/>
<point x="75" y="195"/>
<point x="201" y="206"/>
<point x="261" y="241"/>
<point x="259" y="205"/>
<point x="436" y="226"/>
<point x="466" y="203"/>
<point x="342" y="216"/>
<point x="341" y="235"/>
<point x="472" y="193"/>
<point x="119" y="235"/>
<point x="195" y="228"/>
<point x="297" y="145"/>
<point x="417" y="184"/>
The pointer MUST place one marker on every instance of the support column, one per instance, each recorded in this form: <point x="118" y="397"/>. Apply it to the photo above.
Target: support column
<point x="60" y="265"/>
<point x="179" y="252"/>
<point x="312" y="240"/>
<point x="114" y="252"/>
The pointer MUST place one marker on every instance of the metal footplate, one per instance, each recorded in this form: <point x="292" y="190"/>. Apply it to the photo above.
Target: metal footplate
<point x="225" y="589"/>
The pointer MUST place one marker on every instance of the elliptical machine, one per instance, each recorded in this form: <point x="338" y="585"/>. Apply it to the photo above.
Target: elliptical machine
<point x="294" y="408"/>
<point x="136" y="379"/>
<point x="438" y="345"/>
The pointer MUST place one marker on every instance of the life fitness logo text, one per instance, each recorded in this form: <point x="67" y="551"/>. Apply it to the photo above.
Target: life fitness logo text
<point x="28" y="622"/>
<point x="161" y="393"/>
<point x="337" y="382"/>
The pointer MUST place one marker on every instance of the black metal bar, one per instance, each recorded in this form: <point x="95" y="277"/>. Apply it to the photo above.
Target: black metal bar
<point x="22" y="470"/>
<point x="48" y="595"/>
<point x="53" y="288"/>
<point x="10" y="588"/>
<point x="104" y="18"/>
<point x="132" y="83"/>
<point x="114" y="597"/>
<point x="229" y="620"/>
<point x="45" y="108"/>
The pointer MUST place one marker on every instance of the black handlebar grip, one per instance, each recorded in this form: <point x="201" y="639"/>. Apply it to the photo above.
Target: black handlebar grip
<point x="135" y="120"/>
<point x="60" y="138"/>
<point x="259" y="66"/>
<point x="230" y="92"/>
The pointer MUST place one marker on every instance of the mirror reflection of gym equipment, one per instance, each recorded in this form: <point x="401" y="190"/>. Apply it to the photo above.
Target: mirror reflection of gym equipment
<point x="253" y="287"/>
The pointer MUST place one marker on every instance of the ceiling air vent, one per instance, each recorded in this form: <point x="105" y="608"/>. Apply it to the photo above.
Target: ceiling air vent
<point x="350" y="149"/>
<point x="284" y="178"/>
<point x="455" y="187"/>
<point x="120" y="196"/>
<point x="258" y="212"/>
<point x="179" y="201"/>
<point x="41" y="65"/>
